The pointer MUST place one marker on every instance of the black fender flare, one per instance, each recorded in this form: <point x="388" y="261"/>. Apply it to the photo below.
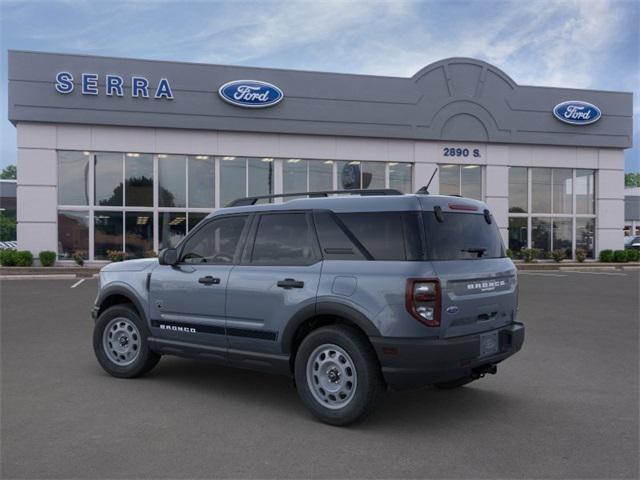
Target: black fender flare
<point x="125" y="291"/>
<point x="326" y="308"/>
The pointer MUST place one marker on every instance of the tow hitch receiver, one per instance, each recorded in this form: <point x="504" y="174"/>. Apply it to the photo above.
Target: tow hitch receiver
<point x="480" y="372"/>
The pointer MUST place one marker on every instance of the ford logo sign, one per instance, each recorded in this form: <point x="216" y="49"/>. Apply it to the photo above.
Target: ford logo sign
<point x="576" y="112"/>
<point x="250" y="93"/>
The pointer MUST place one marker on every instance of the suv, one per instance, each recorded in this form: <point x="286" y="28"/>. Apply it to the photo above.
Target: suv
<point x="348" y="295"/>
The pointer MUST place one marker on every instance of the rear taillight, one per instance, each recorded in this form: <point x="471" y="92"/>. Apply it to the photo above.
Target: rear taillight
<point x="423" y="301"/>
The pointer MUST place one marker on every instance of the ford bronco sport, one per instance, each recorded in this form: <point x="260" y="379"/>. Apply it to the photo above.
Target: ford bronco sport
<point x="349" y="295"/>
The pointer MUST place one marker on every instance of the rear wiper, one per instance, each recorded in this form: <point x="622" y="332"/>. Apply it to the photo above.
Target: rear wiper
<point x="479" y="251"/>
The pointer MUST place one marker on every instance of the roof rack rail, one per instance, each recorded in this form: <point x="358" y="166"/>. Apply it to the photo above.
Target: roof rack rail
<point x="242" y="202"/>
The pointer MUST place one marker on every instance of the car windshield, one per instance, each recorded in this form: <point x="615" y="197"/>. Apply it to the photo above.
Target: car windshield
<point x="630" y="240"/>
<point x="462" y="236"/>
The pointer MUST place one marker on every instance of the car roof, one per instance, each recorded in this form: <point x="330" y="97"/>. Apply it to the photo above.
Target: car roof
<point x="373" y="203"/>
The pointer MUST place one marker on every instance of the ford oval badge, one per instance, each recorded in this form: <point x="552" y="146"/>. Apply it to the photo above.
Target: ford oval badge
<point x="250" y="93"/>
<point x="452" y="309"/>
<point x="576" y="112"/>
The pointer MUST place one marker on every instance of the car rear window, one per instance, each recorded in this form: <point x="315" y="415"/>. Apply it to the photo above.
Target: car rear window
<point x="461" y="236"/>
<point x="385" y="235"/>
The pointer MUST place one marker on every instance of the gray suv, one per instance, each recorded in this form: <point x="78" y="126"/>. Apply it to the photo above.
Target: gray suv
<point x="349" y="295"/>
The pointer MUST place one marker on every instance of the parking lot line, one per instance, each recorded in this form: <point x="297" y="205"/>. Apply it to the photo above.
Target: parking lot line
<point x="600" y="273"/>
<point x="78" y="283"/>
<point x="542" y="274"/>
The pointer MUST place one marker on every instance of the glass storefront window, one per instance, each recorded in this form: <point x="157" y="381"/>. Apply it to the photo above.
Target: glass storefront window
<point x="562" y="190"/>
<point x="373" y="175"/>
<point x="541" y="235"/>
<point x="320" y="175"/>
<point x="518" y="190"/>
<point x="138" y="233"/>
<point x="585" y="235"/>
<point x="585" y="191"/>
<point x="172" y="181"/>
<point x="73" y="234"/>
<point x="138" y="172"/>
<point x="107" y="233"/>
<point x="201" y="181"/>
<point x="260" y="176"/>
<point x="449" y="179"/>
<point x="172" y="228"/>
<point x="465" y="180"/>
<point x="294" y="175"/>
<point x="541" y="190"/>
<point x="401" y="176"/>
<point x="517" y="235"/>
<point x="108" y="179"/>
<point x="562" y="235"/>
<point x="471" y="181"/>
<point x="195" y="218"/>
<point x="233" y="179"/>
<point x="73" y="178"/>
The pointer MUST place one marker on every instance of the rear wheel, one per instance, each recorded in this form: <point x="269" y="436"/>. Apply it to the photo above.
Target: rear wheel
<point x="337" y="375"/>
<point x="120" y="343"/>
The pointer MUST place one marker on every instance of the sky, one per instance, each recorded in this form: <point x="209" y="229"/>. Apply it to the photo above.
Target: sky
<point x="562" y="43"/>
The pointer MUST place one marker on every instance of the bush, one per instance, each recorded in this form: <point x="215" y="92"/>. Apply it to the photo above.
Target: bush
<point x="529" y="254"/>
<point x="633" y="255"/>
<point x="558" y="255"/>
<point x="149" y="254"/>
<point x="116" y="255"/>
<point x="8" y="258"/>
<point x="79" y="256"/>
<point x="581" y="255"/>
<point x="24" y="258"/>
<point x="47" y="258"/>
<point x="606" y="256"/>
<point x="620" y="256"/>
<point x="509" y="253"/>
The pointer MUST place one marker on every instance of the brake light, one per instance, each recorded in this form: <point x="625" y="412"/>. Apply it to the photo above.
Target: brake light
<point x="465" y="208"/>
<point x="422" y="301"/>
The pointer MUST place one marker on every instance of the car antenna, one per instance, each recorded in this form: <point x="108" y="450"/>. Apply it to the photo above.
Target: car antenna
<point x="425" y="190"/>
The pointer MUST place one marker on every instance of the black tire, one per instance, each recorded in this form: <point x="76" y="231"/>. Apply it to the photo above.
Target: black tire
<point x="145" y="359"/>
<point x="369" y="386"/>
<point x="452" y="385"/>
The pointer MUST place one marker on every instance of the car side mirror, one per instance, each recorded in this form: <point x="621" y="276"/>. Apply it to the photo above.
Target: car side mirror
<point x="168" y="256"/>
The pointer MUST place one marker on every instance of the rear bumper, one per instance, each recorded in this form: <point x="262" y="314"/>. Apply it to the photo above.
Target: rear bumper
<point x="411" y="363"/>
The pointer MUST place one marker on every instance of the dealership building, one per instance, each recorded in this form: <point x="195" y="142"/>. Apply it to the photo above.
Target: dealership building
<point x="124" y="154"/>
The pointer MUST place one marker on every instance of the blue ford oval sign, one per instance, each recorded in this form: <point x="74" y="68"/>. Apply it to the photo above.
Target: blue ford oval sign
<point x="250" y="93"/>
<point x="576" y="112"/>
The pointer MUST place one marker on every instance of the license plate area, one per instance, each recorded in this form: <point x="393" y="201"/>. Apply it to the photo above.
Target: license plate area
<point x="489" y="344"/>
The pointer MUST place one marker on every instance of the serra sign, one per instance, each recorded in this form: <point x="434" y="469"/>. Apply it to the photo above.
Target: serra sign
<point x="113" y="85"/>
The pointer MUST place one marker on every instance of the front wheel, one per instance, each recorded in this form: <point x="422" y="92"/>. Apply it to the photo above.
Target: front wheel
<point x="337" y="375"/>
<point x="120" y="343"/>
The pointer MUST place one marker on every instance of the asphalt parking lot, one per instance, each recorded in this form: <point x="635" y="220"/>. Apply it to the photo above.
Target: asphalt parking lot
<point x="564" y="407"/>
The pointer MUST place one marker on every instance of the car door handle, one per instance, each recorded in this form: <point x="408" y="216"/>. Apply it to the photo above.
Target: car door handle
<point x="209" y="280"/>
<point x="290" y="283"/>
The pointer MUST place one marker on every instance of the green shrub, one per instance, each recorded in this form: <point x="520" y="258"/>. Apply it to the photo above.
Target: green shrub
<point x="558" y="255"/>
<point x="79" y="256"/>
<point x="633" y="255"/>
<point x="529" y="254"/>
<point x="116" y="255"/>
<point x="606" y="256"/>
<point x="24" y="258"/>
<point x="8" y="258"/>
<point x="581" y="255"/>
<point x="509" y="253"/>
<point x="47" y="258"/>
<point x="620" y="256"/>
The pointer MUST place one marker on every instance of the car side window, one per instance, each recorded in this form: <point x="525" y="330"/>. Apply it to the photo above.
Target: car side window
<point x="216" y="242"/>
<point x="284" y="239"/>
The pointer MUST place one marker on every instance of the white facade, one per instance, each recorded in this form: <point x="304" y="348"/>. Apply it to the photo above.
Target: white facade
<point x="38" y="144"/>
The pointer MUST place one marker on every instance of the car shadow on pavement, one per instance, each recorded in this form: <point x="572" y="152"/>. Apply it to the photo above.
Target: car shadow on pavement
<point x="411" y="409"/>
